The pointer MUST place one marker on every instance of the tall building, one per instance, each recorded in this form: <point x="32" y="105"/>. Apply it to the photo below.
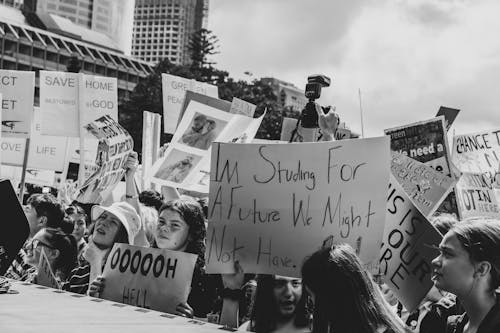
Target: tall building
<point x="162" y="28"/>
<point x="30" y="48"/>
<point x="112" y="18"/>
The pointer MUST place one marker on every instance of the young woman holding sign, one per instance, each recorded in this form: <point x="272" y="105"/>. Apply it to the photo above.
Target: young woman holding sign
<point x="469" y="267"/>
<point x="345" y="297"/>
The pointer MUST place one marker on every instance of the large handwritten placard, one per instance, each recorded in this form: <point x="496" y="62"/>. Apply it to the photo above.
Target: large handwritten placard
<point x="173" y="90"/>
<point x="156" y="279"/>
<point x="405" y="258"/>
<point x="18" y="91"/>
<point x="425" y="187"/>
<point x="476" y="197"/>
<point x="478" y="153"/>
<point x="424" y="141"/>
<point x="59" y="103"/>
<point x="272" y="205"/>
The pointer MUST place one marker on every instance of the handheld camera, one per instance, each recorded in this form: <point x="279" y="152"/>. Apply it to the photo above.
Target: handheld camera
<point x="309" y="116"/>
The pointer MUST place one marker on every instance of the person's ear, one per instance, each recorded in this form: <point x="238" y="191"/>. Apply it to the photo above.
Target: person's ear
<point x="52" y="254"/>
<point x="42" y="220"/>
<point x="483" y="268"/>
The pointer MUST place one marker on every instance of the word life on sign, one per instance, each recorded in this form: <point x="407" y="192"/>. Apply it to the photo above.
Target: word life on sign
<point x="18" y="91"/>
<point x="45" y="275"/>
<point x="156" y="279"/>
<point x="424" y="141"/>
<point x="425" y="187"/>
<point x="59" y="103"/>
<point x="478" y="153"/>
<point x="173" y="90"/>
<point x="476" y="197"/>
<point x="405" y="257"/>
<point x="272" y="205"/>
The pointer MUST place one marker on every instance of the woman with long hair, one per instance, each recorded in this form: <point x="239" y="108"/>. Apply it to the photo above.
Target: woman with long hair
<point x="344" y="295"/>
<point x="468" y="266"/>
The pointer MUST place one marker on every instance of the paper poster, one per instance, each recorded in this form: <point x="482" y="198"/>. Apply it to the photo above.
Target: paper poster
<point x="407" y="252"/>
<point x="272" y="205"/>
<point x="173" y="90"/>
<point x="214" y="102"/>
<point x="59" y="103"/>
<point x="46" y="152"/>
<point x="424" y="141"/>
<point x="151" y="132"/>
<point x="156" y="279"/>
<point x="98" y="96"/>
<point x="186" y="163"/>
<point x="14" y="220"/>
<point x="425" y="187"/>
<point x="33" y="176"/>
<point x="476" y="197"/>
<point x="449" y="115"/>
<point x="287" y="128"/>
<point x="45" y="276"/>
<point x="18" y="92"/>
<point x="239" y="106"/>
<point x="478" y="153"/>
<point x="115" y="145"/>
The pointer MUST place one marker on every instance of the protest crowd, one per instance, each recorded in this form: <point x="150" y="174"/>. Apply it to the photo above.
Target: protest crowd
<point x="257" y="235"/>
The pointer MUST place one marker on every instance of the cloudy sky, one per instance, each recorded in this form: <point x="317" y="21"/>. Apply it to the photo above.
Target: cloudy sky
<point x="408" y="57"/>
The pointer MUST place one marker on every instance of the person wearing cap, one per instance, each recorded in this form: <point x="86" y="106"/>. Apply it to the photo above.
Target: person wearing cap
<point x="118" y="223"/>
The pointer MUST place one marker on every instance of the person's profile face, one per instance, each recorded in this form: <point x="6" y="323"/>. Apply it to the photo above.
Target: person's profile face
<point x="106" y="228"/>
<point x="453" y="269"/>
<point x="287" y="293"/>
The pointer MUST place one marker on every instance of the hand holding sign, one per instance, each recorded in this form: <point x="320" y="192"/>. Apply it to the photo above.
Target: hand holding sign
<point x="328" y="123"/>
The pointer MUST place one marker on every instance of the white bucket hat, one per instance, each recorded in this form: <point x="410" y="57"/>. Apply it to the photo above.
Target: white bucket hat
<point x="125" y="213"/>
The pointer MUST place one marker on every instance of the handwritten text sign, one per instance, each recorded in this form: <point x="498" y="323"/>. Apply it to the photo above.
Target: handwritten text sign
<point x="150" y="278"/>
<point x="242" y="107"/>
<point x="425" y="187"/>
<point x="59" y="103"/>
<point x="425" y="141"/>
<point x="272" y="205"/>
<point x="405" y="258"/>
<point x="45" y="276"/>
<point x="18" y="91"/>
<point x="478" y="153"/>
<point x="98" y="96"/>
<point x="174" y="88"/>
<point x="476" y="197"/>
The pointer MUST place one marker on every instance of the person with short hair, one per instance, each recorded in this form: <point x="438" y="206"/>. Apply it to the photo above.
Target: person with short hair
<point x="80" y="221"/>
<point x="151" y="198"/>
<point x="468" y="265"/>
<point x="345" y="297"/>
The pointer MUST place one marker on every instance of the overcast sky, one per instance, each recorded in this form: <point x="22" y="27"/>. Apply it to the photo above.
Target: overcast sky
<point x="408" y="57"/>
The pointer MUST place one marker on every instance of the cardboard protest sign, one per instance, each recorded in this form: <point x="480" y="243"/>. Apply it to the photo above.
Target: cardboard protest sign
<point x="478" y="153"/>
<point x="186" y="163"/>
<point x="173" y="90"/>
<point x="151" y="132"/>
<point x="449" y="115"/>
<point x="33" y="176"/>
<point x="405" y="257"/>
<point x="272" y="205"/>
<point x="156" y="279"/>
<point x="476" y="197"/>
<point x="46" y="152"/>
<point x="59" y="103"/>
<point x="424" y="141"/>
<point x="425" y="187"/>
<point x="45" y="276"/>
<point x="97" y="97"/>
<point x="115" y="145"/>
<point x="239" y="106"/>
<point x="90" y="150"/>
<point x="287" y="128"/>
<point x="18" y="93"/>
<point x="14" y="221"/>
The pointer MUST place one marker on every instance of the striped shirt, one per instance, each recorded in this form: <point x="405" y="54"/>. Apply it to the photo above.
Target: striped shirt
<point x="79" y="280"/>
<point x="19" y="268"/>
